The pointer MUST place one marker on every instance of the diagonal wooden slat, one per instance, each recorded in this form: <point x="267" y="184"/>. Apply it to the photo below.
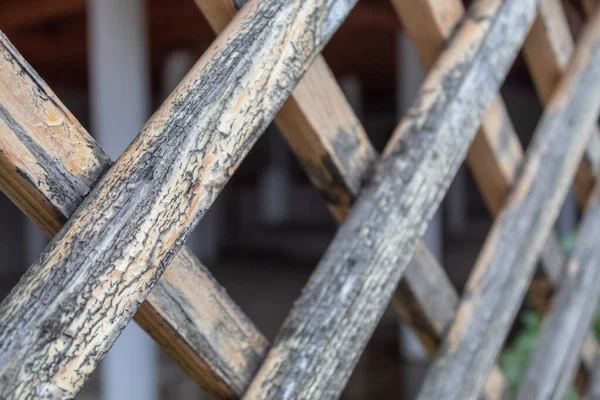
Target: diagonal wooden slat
<point x="70" y="306"/>
<point x="187" y="312"/>
<point x="331" y="322"/>
<point x="432" y="22"/>
<point x="507" y="261"/>
<point x="48" y="163"/>
<point x="173" y="313"/>
<point x="329" y="140"/>
<point x="554" y="361"/>
<point x="547" y="51"/>
<point x="496" y="153"/>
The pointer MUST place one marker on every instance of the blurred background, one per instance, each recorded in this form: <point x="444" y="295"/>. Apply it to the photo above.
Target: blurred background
<point x="113" y="62"/>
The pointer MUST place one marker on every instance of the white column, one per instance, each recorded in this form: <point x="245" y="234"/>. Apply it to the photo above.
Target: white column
<point x="274" y="185"/>
<point x="119" y="106"/>
<point x="410" y="75"/>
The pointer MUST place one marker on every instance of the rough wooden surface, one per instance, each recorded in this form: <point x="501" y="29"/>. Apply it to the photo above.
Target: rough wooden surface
<point x="554" y="361"/>
<point x="48" y="163"/>
<point x="329" y="140"/>
<point x="318" y="123"/>
<point x="547" y="51"/>
<point x="507" y="261"/>
<point x="496" y="153"/>
<point x="331" y="322"/>
<point x="67" y="310"/>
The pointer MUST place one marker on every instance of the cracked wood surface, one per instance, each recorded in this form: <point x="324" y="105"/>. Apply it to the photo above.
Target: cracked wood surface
<point x="48" y="163"/>
<point x="70" y="306"/>
<point x="507" y="261"/>
<point x="333" y="319"/>
<point x="330" y="141"/>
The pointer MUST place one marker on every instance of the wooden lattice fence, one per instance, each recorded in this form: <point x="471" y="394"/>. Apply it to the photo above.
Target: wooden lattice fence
<point x="117" y="227"/>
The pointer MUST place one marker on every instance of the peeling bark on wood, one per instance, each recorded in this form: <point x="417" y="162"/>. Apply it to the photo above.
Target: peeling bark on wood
<point x="507" y="261"/>
<point x="554" y="362"/>
<point x="330" y="324"/>
<point x="47" y="168"/>
<point x="67" y="310"/>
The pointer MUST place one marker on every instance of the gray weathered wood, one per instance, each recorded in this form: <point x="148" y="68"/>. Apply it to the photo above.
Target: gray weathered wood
<point x="547" y="51"/>
<point x="554" y="361"/>
<point x="496" y="153"/>
<point x="47" y="168"/>
<point x="507" y="261"/>
<point x="337" y="155"/>
<point x="67" y="310"/>
<point x="330" y="324"/>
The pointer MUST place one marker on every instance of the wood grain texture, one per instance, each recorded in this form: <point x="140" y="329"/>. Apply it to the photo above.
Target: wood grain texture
<point x="554" y="361"/>
<point x="507" y="261"/>
<point x="325" y="134"/>
<point x="67" y="310"/>
<point x="332" y="320"/>
<point x="48" y="163"/>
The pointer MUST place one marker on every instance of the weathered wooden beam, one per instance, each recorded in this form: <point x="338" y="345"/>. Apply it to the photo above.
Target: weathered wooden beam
<point x="507" y="261"/>
<point x="547" y="51"/>
<point x="318" y="123"/>
<point x="70" y="306"/>
<point x="48" y="163"/>
<point x="496" y="153"/>
<point x="331" y="322"/>
<point x="553" y="365"/>
<point x="430" y="23"/>
<point x="331" y="144"/>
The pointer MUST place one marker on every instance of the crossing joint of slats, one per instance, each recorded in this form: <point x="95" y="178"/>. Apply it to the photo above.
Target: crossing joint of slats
<point x="117" y="227"/>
